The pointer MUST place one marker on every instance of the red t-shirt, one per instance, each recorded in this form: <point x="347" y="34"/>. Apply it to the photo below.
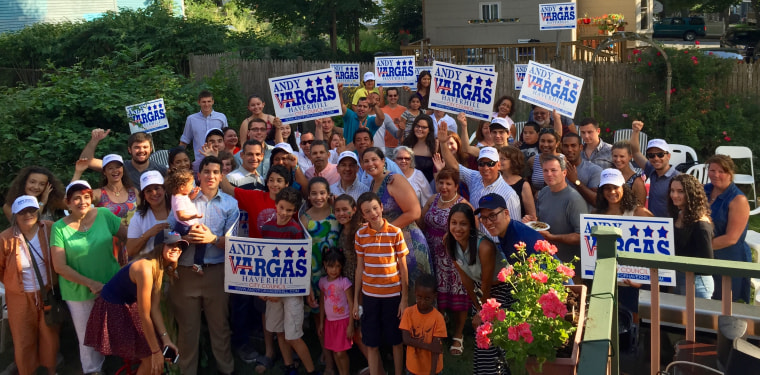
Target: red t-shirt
<point x="259" y="206"/>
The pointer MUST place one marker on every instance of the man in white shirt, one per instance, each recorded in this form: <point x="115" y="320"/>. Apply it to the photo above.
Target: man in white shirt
<point x="348" y="167"/>
<point x="246" y="176"/>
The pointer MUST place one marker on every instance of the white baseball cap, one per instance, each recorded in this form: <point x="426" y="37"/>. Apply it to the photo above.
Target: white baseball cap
<point x="285" y="147"/>
<point x="24" y="201"/>
<point x="611" y="176"/>
<point x="489" y="153"/>
<point x="151" y="178"/>
<point x="84" y="184"/>
<point x="369" y="76"/>
<point x="112" y="157"/>
<point x="348" y="154"/>
<point x="214" y="130"/>
<point x="499" y="122"/>
<point x="658" y="143"/>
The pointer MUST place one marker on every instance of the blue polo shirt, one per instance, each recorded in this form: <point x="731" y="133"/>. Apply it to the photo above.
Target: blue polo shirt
<point x="351" y="123"/>
<point x="518" y="232"/>
<point x="658" y="189"/>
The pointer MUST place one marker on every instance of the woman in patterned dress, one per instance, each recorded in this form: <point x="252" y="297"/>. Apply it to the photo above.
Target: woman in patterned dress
<point x="451" y="293"/>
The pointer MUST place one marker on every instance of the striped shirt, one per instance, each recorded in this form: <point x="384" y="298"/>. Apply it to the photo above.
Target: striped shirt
<point x="474" y="182"/>
<point x="379" y="251"/>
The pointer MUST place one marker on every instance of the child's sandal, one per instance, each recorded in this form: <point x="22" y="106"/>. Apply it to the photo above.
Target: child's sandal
<point x="457" y="346"/>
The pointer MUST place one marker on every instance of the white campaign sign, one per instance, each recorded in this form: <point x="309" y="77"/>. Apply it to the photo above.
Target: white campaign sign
<point x="267" y="267"/>
<point x="457" y="88"/>
<point x="550" y="88"/>
<point x="147" y="117"/>
<point x="557" y="16"/>
<point x="520" y="70"/>
<point x="347" y="74"/>
<point x="305" y="96"/>
<point x="395" y="71"/>
<point x="486" y="68"/>
<point x="644" y="235"/>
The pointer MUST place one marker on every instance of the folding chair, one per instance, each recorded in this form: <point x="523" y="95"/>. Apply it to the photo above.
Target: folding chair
<point x="741" y="152"/>
<point x="681" y="154"/>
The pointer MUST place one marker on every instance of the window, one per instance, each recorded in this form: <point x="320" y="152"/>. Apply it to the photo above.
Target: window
<point x="644" y="12"/>
<point x="490" y="11"/>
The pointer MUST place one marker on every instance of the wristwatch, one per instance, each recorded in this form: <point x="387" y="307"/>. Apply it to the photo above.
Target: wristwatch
<point x="577" y="182"/>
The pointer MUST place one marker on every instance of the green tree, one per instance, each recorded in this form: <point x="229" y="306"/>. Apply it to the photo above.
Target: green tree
<point x="401" y="15"/>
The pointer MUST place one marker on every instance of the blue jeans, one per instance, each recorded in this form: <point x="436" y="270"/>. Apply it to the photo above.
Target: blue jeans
<point x="704" y="286"/>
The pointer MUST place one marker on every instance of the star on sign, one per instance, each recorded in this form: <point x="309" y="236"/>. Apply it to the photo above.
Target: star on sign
<point x="634" y="231"/>
<point x="469" y="78"/>
<point x="328" y="79"/>
<point x="276" y="252"/>
<point x="403" y="63"/>
<point x="318" y="80"/>
<point x="398" y="63"/>
<point x="160" y="105"/>
<point x="289" y="253"/>
<point x="662" y="232"/>
<point x="308" y="82"/>
<point x="559" y="80"/>
<point x="648" y="231"/>
<point x="489" y="82"/>
<point x="567" y="83"/>
<point x="575" y="86"/>
<point x="479" y="80"/>
<point x="302" y="253"/>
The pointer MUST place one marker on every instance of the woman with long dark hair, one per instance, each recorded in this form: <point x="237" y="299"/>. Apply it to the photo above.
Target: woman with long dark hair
<point x="424" y="144"/>
<point x="476" y="258"/>
<point x="150" y="221"/>
<point x="256" y="106"/>
<point x="40" y="183"/>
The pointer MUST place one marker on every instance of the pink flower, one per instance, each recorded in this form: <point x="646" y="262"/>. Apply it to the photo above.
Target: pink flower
<point x="481" y="335"/>
<point x="525" y="333"/>
<point x="686" y="51"/>
<point x="608" y="130"/>
<point x="696" y="62"/>
<point x="673" y="91"/>
<point x="659" y="53"/>
<point x="649" y="63"/>
<point x="636" y="52"/>
<point x="724" y="132"/>
<point x="544" y="246"/>
<point x="513" y="335"/>
<point x="710" y="53"/>
<point x="520" y="245"/>
<point x="551" y="305"/>
<point x="625" y="115"/>
<point x="505" y="273"/>
<point x="539" y="276"/>
<point x="696" y="42"/>
<point x="565" y="270"/>
<point x="727" y="139"/>
<point x="639" y="60"/>
<point x="501" y="315"/>
<point x="489" y="310"/>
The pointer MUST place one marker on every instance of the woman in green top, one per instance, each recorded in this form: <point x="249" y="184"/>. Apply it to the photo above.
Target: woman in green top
<point x="82" y="249"/>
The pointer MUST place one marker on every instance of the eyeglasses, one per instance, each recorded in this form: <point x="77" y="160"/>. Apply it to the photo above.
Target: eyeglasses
<point x="420" y="127"/>
<point x="27" y="212"/>
<point x="306" y="142"/>
<point x="488" y="164"/>
<point x="492" y="217"/>
<point x="257" y="130"/>
<point x="651" y="155"/>
<point x="392" y="96"/>
<point x="403" y="159"/>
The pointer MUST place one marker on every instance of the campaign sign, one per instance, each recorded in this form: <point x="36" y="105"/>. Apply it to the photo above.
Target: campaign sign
<point x="520" y="70"/>
<point x="459" y="88"/>
<point x="557" y="16"/>
<point x="147" y="117"/>
<point x="347" y="74"/>
<point x="395" y="71"/>
<point x="486" y="68"/>
<point x="267" y="267"/>
<point x="420" y="69"/>
<point x="644" y="235"/>
<point x="550" y="88"/>
<point x="305" y="96"/>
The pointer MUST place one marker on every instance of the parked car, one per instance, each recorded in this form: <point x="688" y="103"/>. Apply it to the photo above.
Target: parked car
<point x="688" y="28"/>
<point x="742" y="38"/>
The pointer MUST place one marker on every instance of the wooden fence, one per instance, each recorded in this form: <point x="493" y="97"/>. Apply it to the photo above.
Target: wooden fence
<point x="614" y="83"/>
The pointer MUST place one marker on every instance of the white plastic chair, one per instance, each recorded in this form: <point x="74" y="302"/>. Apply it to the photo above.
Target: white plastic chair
<point x="741" y="152"/>
<point x="625" y="135"/>
<point x="681" y="153"/>
<point x="699" y="171"/>
<point x="160" y="157"/>
<point x="4" y="321"/>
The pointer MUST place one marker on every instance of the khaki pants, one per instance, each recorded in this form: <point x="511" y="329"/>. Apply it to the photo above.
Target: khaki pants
<point x="187" y="297"/>
<point x="35" y="343"/>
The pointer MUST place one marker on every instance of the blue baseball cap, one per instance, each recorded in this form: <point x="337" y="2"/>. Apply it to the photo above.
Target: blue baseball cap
<point x="491" y="201"/>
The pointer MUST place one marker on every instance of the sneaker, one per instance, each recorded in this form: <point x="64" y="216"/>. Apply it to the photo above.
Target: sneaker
<point x="291" y="370"/>
<point x="247" y="354"/>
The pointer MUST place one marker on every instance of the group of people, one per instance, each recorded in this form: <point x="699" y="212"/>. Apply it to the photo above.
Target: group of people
<point x="408" y="221"/>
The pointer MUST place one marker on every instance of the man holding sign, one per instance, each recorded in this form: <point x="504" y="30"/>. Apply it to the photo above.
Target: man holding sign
<point x="361" y="118"/>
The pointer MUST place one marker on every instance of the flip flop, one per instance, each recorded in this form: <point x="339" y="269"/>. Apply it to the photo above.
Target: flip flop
<point x="458" y="349"/>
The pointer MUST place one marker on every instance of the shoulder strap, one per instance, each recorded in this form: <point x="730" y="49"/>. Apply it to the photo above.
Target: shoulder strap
<point x="34" y="264"/>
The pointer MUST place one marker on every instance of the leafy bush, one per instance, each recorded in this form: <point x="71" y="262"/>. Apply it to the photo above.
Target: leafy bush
<point x="702" y="115"/>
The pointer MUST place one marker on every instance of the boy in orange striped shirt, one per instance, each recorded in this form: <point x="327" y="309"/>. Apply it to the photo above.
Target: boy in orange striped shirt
<point x="382" y="277"/>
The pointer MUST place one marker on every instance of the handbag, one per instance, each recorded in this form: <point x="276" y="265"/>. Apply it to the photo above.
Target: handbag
<point x="52" y="304"/>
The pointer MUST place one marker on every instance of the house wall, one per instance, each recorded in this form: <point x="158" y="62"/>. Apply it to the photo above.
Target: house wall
<point x="446" y="23"/>
<point x="16" y="14"/>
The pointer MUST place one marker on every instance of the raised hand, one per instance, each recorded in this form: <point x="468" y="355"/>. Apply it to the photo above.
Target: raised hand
<point x="98" y="134"/>
<point x="637" y="126"/>
<point x="438" y="162"/>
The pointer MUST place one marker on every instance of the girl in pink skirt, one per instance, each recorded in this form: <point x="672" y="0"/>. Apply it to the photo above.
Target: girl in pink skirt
<point x="336" y="325"/>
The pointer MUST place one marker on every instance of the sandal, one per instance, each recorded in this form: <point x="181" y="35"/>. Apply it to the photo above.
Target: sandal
<point x="457" y="350"/>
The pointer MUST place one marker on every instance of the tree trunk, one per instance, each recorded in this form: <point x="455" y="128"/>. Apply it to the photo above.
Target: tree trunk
<point x="358" y="40"/>
<point x="334" y="32"/>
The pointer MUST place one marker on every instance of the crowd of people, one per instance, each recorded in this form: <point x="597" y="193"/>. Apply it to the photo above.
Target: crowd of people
<point x="408" y="222"/>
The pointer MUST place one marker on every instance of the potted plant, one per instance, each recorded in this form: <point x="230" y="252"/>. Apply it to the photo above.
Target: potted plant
<point x="586" y="20"/>
<point x="540" y="322"/>
<point x="609" y="23"/>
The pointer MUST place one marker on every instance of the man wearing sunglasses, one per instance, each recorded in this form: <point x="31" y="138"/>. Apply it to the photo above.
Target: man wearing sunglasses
<point x="494" y="216"/>
<point x="487" y="179"/>
<point x="656" y="166"/>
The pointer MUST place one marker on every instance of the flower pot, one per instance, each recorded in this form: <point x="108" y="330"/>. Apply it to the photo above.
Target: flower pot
<point x="586" y="21"/>
<point x="565" y="366"/>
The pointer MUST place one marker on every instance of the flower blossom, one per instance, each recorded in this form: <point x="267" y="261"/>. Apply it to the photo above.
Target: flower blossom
<point x="521" y="330"/>
<point x="481" y="335"/>
<point x="544" y="246"/>
<point x="490" y="310"/>
<point x="539" y="276"/>
<point x="505" y="273"/>
<point x="551" y="305"/>
<point x="565" y="270"/>
<point x="727" y="139"/>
